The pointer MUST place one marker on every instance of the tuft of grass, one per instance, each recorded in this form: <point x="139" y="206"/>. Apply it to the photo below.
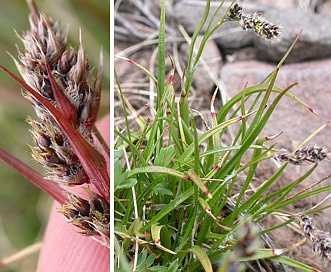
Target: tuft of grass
<point x="186" y="200"/>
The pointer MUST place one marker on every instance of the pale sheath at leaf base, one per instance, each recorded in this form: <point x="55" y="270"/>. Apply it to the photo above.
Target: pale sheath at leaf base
<point x="61" y="74"/>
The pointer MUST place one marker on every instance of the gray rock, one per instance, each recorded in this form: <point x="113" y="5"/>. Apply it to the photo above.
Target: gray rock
<point x="279" y="3"/>
<point x="229" y="35"/>
<point x="314" y="43"/>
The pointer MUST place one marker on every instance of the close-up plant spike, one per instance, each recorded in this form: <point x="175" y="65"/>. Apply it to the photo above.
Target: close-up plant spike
<point x="203" y="176"/>
<point x="254" y="22"/>
<point x="66" y="98"/>
<point x="321" y="240"/>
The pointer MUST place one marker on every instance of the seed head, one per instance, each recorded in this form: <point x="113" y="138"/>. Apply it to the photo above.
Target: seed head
<point x="235" y="12"/>
<point x="254" y="22"/>
<point x="66" y="100"/>
<point x="247" y="245"/>
<point x="321" y="241"/>
<point x="310" y="154"/>
<point x="91" y="216"/>
<point x="62" y="75"/>
<point x="248" y="242"/>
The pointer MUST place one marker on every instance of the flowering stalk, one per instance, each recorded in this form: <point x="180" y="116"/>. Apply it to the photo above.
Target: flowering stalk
<point x="254" y="22"/>
<point x="321" y="241"/>
<point x="310" y="154"/>
<point x="52" y="189"/>
<point x="66" y="101"/>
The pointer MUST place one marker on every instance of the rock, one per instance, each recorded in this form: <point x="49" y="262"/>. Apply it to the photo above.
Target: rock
<point x="278" y="3"/>
<point x="314" y="43"/>
<point x="229" y="35"/>
<point x="243" y="54"/>
<point x="325" y="8"/>
<point x="296" y="122"/>
<point x="212" y="56"/>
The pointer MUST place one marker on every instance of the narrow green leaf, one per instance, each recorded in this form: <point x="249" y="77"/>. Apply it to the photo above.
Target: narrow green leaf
<point x="203" y="258"/>
<point x="161" y="55"/>
<point x="168" y="208"/>
<point x="165" y="154"/>
<point x="156" y="236"/>
<point x="125" y="183"/>
<point x="196" y="179"/>
<point x="275" y="255"/>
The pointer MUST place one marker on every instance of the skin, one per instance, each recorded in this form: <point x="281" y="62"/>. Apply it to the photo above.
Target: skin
<point x="64" y="249"/>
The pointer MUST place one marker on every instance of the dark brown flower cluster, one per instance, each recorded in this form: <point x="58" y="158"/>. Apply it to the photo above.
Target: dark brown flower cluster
<point x="46" y="55"/>
<point x="235" y="12"/>
<point x="321" y="241"/>
<point x="310" y="154"/>
<point x="66" y="101"/>
<point x="254" y="22"/>
<point x="92" y="216"/>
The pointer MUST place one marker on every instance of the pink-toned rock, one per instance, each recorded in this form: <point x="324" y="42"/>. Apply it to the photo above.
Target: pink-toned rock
<point x="297" y="123"/>
<point x="326" y="8"/>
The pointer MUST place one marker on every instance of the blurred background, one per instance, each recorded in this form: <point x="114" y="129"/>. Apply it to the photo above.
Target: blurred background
<point x="24" y="208"/>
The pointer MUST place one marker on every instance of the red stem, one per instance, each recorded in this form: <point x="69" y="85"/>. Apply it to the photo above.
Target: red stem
<point x="37" y="179"/>
<point x="92" y="161"/>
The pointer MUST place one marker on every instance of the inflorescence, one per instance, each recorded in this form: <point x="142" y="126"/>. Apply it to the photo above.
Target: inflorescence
<point x="321" y="240"/>
<point x="61" y="75"/>
<point x="310" y="154"/>
<point x="254" y="22"/>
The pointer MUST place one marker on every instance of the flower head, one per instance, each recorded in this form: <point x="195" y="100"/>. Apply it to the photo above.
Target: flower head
<point x="235" y="12"/>
<point x="91" y="216"/>
<point x="321" y="240"/>
<point x="310" y="154"/>
<point x="66" y="101"/>
<point x="254" y="22"/>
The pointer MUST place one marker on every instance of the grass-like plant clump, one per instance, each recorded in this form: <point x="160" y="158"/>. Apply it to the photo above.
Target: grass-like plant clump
<point x="184" y="199"/>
